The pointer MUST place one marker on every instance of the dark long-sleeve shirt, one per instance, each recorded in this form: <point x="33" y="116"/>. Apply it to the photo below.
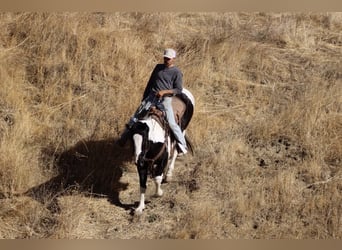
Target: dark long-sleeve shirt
<point x="163" y="78"/>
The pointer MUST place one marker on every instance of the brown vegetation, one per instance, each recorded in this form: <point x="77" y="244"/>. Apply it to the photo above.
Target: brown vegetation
<point x="267" y="127"/>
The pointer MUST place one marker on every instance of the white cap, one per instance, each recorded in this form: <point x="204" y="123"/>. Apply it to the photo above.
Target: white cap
<point x="169" y="53"/>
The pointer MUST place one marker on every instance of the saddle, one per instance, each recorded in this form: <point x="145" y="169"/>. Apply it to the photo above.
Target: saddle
<point x="182" y="109"/>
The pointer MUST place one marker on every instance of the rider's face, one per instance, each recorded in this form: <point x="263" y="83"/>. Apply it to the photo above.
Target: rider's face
<point x="168" y="61"/>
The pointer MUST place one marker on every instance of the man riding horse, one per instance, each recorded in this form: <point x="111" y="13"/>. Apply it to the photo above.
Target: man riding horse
<point x="165" y="81"/>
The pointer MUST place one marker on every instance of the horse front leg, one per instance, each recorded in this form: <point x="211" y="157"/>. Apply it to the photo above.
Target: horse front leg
<point x="142" y="170"/>
<point x="141" y="206"/>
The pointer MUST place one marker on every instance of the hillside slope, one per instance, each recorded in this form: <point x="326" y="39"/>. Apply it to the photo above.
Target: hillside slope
<point x="267" y="125"/>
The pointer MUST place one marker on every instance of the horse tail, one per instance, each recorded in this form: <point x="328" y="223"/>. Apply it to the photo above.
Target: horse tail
<point x="189" y="145"/>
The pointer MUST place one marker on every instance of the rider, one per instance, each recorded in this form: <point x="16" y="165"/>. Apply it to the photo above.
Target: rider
<point x="165" y="81"/>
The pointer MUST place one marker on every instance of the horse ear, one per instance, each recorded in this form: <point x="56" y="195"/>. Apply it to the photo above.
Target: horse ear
<point x="139" y="126"/>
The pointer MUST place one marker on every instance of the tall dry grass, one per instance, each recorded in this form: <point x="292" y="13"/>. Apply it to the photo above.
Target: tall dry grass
<point x="267" y="125"/>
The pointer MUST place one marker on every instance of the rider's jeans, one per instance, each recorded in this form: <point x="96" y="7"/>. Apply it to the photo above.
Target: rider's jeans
<point x="172" y="122"/>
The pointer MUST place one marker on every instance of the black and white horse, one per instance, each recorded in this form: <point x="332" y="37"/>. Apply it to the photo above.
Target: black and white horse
<point x="155" y="147"/>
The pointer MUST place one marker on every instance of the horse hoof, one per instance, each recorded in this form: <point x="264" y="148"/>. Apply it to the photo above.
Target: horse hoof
<point x="138" y="211"/>
<point x="167" y="178"/>
<point x="159" y="193"/>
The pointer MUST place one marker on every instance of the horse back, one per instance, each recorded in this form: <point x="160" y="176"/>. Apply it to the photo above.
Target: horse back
<point x="178" y="107"/>
<point x="183" y="110"/>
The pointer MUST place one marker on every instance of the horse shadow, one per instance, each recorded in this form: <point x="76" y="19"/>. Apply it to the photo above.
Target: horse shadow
<point x="93" y="168"/>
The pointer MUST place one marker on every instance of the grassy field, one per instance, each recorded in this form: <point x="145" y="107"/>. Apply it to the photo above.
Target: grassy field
<point x="267" y="127"/>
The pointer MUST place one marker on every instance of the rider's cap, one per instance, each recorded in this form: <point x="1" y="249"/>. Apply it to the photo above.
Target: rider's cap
<point x="169" y="53"/>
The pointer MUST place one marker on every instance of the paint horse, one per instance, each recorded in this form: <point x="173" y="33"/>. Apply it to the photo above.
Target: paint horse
<point x="154" y="144"/>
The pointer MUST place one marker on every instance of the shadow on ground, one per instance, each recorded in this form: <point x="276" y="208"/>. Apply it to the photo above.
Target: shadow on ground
<point x="91" y="167"/>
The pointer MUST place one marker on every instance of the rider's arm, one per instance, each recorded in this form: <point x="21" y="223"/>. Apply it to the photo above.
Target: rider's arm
<point x="164" y="92"/>
<point x="177" y="85"/>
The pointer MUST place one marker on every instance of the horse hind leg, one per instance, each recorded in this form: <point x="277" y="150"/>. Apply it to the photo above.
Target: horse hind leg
<point x="141" y="206"/>
<point x="171" y="166"/>
<point x="158" y="181"/>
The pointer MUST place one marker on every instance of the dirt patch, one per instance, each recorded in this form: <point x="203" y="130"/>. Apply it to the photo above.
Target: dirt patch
<point x="278" y="152"/>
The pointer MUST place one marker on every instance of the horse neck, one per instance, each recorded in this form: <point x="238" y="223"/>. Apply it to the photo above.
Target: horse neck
<point x="156" y="131"/>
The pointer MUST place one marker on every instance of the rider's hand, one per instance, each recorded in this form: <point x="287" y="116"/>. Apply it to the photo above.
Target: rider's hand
<point x="160" y="93"/>
<point x="163" y="92"/>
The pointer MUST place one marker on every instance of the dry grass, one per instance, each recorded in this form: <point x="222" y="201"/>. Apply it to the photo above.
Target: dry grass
<point x="267" y="127"/>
